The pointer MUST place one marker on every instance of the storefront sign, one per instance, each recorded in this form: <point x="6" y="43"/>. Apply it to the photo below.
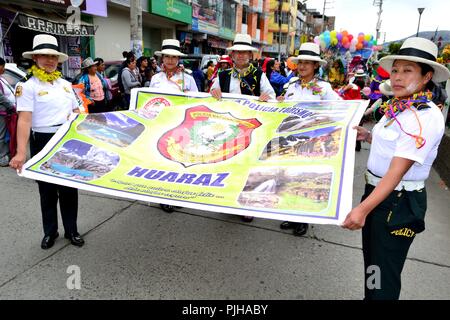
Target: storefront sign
<point x="57" y="28"/>
<point x="96" y="7"/>
<point x="65" y="3"/>
<point x="172" y="9"/>
<point x="226" y="33"/>
<point x="204" y="20"/>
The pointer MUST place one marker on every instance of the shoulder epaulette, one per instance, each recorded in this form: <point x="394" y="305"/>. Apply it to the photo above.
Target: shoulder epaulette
<point x="26" y="77"/>
<point x="423" y="106"/>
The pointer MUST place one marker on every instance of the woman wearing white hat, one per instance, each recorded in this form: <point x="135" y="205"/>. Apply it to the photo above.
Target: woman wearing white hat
<point x="308" y="87"/>
<point x="404" y="145"/>
<point x="243" y="78"/>
<point x="172" y="77"/>
<point x="44" y="102"/>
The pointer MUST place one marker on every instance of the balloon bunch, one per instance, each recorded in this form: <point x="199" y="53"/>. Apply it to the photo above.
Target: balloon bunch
<point x="346" y="41"/>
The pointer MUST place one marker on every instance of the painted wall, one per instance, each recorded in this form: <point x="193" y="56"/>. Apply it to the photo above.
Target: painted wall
<point x="113" y="34"/>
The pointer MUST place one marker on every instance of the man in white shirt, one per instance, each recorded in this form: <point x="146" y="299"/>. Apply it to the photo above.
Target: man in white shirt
<point x="243" y="78"/>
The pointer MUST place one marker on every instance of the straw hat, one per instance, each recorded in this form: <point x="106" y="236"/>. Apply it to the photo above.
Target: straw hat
<point x="385" y="88"/>
<point x="309" y="51"/>
<point x="88" y="62"/>
<point x="418" y="50"/>
<point x="170" y="47"/>
<point x="242" y="42"/>
<point x="45" y="44"/>
<point x="360" y="73"/>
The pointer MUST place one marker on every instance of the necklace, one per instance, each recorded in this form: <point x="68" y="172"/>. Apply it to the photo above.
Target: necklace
<point x="170" y="74"/>
<point x="392" y="108"/>
<point x="241" y="77"/>
<point x="44" y="76"/>
<point x="313" y="86"/>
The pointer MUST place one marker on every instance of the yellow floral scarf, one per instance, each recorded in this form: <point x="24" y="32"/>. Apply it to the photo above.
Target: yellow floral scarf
<point x="42" y="75"/>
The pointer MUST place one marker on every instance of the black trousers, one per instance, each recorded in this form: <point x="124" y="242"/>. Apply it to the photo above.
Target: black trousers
<point x="50" y="194"/>
<point x="387" y="235"/>
<point x="98" y="107"/>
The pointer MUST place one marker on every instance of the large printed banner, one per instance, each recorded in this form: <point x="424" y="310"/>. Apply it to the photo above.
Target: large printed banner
<point x="286" y="161"/>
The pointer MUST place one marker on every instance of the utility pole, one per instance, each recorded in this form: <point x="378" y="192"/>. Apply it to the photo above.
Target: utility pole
<point x="280" y="5"/>
<point x="137" y="45"/>
<point x="420" y="15"/>
<point x="378" y="3"/>
<point x="325" y="2"/>
<point x="288" y="37"/>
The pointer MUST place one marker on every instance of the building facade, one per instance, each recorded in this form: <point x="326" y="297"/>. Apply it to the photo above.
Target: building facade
<point x="73" y="27"/>
<point x="282" y="28"/>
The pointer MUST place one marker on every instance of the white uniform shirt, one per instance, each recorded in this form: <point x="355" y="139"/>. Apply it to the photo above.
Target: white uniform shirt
<point x="50" y="104"/>
<point x="391" y="141"/>
<point x="265" y="86"/>
<point x="296" y="92"/>
<point x="160" y="80"/>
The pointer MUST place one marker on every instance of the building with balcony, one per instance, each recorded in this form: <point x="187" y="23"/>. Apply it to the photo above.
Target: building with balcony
<point x="282" y="28"/>
<point x="252" y="19"/>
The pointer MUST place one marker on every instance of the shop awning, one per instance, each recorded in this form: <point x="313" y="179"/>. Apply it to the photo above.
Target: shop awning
<point x="50" y="22"/>
<point x="55" y="25"/>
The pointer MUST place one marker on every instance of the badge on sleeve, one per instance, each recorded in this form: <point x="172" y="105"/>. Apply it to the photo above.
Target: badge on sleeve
<point x="67" y="89"/>
<point x="18" y="92"/>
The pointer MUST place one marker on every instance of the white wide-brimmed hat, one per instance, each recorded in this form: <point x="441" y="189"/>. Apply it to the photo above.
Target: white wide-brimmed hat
<point x="170" y="47"/>
<point x="385" y="88"/>
<point x="242" y="42"/>
<point x="88" y="62"/>
<point x="309" y="51"/>
<point x="45" y="44"/>
<point x="418" y="50"/>
<point x="360" y="73"/>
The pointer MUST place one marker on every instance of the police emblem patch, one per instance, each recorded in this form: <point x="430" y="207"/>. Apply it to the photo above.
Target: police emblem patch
<point x="18" y="92"/>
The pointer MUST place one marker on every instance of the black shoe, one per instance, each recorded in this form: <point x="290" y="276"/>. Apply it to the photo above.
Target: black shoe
<point x="48" y="241"/>
<point x="247" y="218"/>
<point x="167" y="208"/>
<point x="288" y="225"/>
<point x="75" y="239"/>
<point x="300" y="229"/>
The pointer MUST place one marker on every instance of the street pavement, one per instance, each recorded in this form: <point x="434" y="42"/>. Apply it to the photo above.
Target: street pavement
<point x="134" y="250"/>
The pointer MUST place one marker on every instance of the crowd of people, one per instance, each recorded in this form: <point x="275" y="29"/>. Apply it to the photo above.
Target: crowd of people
<point x="405" y="97"/>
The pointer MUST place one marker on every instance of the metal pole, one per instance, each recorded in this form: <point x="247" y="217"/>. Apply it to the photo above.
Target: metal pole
<point x="288" y="37"/>
<point x="279" y="31"/>
<point x="323" y="16"/>
<point x="420" y="15"/>
<point x="136" y="27"/>
<point x="380" y="11"/>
